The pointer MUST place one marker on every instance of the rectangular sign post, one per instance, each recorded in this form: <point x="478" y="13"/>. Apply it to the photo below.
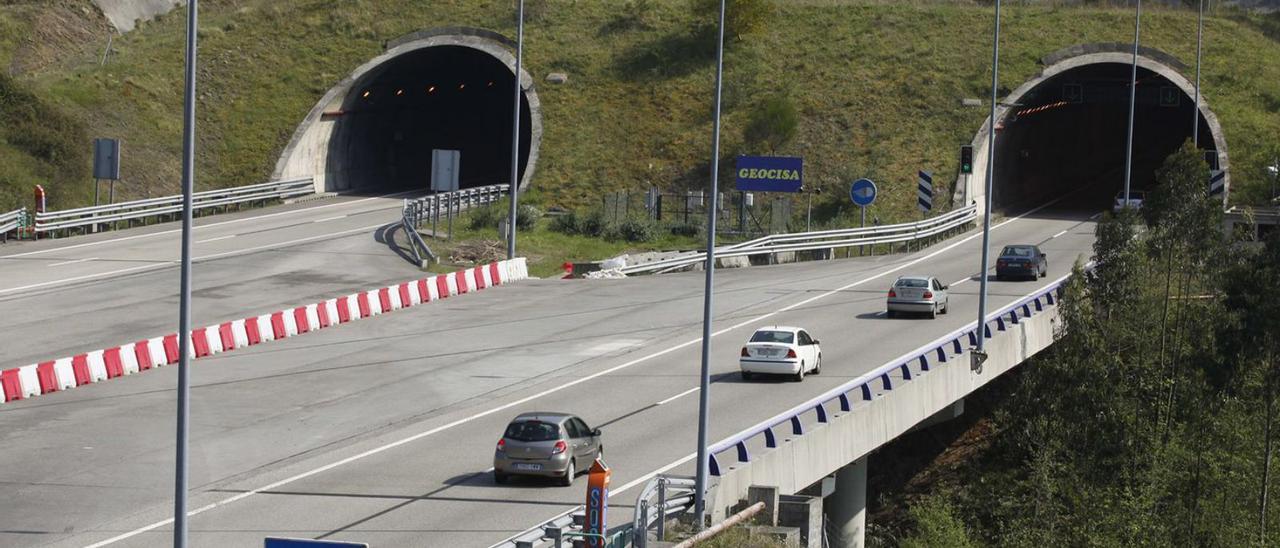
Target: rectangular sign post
<point x="597" y="504"/>
<point x="106" y="166"/>
<point x="924" y="191"/>
<point x="1217" y="182"/>
<point x="445" y="165"/>
<point x="770" y="173"/>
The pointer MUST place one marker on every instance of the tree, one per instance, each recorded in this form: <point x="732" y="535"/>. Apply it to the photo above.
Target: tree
<point x="741" y="18"/>
<point x="773" y="123"/>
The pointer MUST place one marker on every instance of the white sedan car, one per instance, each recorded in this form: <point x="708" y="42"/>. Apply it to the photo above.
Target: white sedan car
<point x="781" y="350"/>
<point x="918" y="294"/>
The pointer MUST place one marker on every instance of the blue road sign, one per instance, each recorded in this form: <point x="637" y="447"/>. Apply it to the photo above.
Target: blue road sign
<point x="278" y="542"/>
<point x="770" y="173"/>
<point x="863" y="192"/>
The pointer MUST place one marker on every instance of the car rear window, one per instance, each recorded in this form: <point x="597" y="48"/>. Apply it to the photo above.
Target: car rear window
<point x="532" y="431"/>
<point x="785" y="337"/>
<point x="913" y="282"/>
<point x="1016" y="252"/>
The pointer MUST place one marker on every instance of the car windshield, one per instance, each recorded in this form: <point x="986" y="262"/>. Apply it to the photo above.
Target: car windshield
<point x="532" y="431"/>
<point x="913" y="282"/>
<point x="1012" y="251"/>
<point x="786" y="337"/>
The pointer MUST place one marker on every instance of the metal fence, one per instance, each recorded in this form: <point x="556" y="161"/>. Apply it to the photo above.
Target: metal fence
<point x="825" y="239"/>
<point x="10" y="221"/>
<point x="416" y="212"/>
<point x="94" y="217"/>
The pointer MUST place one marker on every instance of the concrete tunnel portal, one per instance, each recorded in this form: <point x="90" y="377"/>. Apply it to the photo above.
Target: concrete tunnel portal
<point x="443" y="89"/>
<point x="1065" y="129"/>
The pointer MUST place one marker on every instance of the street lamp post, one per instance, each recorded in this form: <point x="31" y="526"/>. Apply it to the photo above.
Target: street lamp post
<point x="1133" y="95"/>
<point x="515" y="136"/>
<point x="184" y="302"/>
<point x="700" y="481"/>
<point x="979" y="353"/>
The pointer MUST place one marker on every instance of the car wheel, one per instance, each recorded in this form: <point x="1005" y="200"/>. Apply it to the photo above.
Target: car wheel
<point x="799" y="376"/>
<point x="817" y="366"/>
<point x="499" y="477"/>
<point x="946" y="306"/>
<point x="1045" y="272"/>
<point x="746" y="375"/>
<point x="890" y="314"/>
<point x="569" y="473"/>
<point x="933" y="313"/>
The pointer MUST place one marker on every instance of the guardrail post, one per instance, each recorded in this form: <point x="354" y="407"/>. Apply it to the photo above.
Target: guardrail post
<point x="662" y="509"/>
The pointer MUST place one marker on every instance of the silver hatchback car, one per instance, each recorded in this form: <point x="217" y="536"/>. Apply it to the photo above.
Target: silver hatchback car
<point x="919" y="294"/>
<point x="551" y="445"/>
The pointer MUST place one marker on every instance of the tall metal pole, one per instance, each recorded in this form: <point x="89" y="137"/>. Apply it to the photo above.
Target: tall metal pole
<point x="515" y="136"/>
<point x="979" y="354"/>
<point x="1133" y="95"/>
<point x="1195" y="111"/>
<point x="700" y="487"/>
<point x="184" y="302"/>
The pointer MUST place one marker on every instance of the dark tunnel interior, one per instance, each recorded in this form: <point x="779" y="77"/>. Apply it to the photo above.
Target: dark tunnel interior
<point x="444" y="97"/>
<point x="1069" y="132"/>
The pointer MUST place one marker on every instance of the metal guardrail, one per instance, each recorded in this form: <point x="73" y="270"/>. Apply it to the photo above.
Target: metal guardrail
<point x="10" y="221"/>
<point x="826" y="239"/>
<point x="940" y="350"/>
<point x="662" y="497"/>
<point x="415" y="212"/>
<point x="142" y="209"/>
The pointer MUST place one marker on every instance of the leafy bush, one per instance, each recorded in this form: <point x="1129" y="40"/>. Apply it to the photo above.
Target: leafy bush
<point x="773" y="122"/>
<point x="690" y="230"/>
<point x="487" y="217"/>
<point x="566" y="223"/>
<point x="742" y="17"/>
<point x="592" y="224"/>
<point x="634" y="230"/>
<point x="527" y="217"/>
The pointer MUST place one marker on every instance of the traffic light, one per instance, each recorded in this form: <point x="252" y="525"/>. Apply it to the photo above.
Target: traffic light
<point x="966" y="159"/>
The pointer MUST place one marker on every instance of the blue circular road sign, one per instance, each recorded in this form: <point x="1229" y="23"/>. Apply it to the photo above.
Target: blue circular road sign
<point x="863" y="192"/>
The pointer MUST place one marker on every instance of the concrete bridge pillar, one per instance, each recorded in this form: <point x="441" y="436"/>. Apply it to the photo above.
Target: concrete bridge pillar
<point x="847" y="506"/>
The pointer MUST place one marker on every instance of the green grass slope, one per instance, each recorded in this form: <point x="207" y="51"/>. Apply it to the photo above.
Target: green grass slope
<point x="877" y="86"/>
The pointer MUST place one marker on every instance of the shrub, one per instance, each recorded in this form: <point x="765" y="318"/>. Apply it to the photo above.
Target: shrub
<point x="591" y="224"/>
<point x="690" y="230"/>
<point x="634" y="230"/>
<point x="487" y="217"/>
<point x="773" y="122"/>
<point x="566" y="223"/>
<point x="527" y="217"/>
<point x="742" y="17"/>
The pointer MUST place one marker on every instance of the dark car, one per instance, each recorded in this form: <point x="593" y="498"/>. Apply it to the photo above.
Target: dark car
<point x="1021" y="261"/>
<point x="552" y="445"/>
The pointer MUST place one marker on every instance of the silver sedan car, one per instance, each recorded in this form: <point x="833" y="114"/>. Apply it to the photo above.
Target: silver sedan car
<point x="552" y="445"/>
<point x="918" y="294"/>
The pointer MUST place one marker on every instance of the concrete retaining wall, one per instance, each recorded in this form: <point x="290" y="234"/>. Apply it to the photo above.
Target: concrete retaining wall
<point x="800" y="461"/>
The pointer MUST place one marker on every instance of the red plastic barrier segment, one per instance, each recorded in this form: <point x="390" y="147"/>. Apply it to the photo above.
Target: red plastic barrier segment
<point x="251" y="330"/>
<point x="423" y="291"/>
<point x="344" y="310"/>
<point x="442" y="285"/>
<point x="142" y="351"/>
<point x="384" y="299"/>
<point x="111" y="358"/>
<point x="493" y="274"/>
<point x="322" y="311"/>
<point x="277" y="325"/>
<point x="228" y="338"/>
<point x="48" y="377"/>
<point x="478" y="274"/>
<point x="460" y="277"/>
<point x="80" y="365"/>
<point x="300" y="319"/>
<point x="406" y="300"/>
<point x="362" y="300"/>
<point x="200" y="342"/>
<point x="171" y="348"/>
<point x="10" y="385"/>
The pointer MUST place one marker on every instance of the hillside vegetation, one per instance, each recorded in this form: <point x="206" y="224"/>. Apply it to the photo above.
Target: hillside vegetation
<point x="876" y="86"/>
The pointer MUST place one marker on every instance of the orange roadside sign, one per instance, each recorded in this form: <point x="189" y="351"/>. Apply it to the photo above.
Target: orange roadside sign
<point x="597" y="504"/>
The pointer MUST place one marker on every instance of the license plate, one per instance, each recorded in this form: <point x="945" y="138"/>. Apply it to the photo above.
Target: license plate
<point x="770" y="352"/>
<point x="528" y="467"/>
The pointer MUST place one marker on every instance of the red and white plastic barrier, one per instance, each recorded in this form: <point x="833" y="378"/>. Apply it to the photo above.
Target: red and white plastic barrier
<point x="99" y="365"/>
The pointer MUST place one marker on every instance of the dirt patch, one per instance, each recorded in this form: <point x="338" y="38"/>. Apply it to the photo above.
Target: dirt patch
<point x="478" y="252"/>
<point x="57" y="32"/>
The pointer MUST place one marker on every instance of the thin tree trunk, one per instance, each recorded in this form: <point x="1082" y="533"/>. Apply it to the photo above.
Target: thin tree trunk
<point x="1178" y="334"/>
<point x="1266" y="459"/>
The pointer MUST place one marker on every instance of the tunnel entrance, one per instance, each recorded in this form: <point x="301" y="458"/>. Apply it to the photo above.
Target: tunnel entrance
<point x="449" y="89"/>
<point x="1065" y="130"/>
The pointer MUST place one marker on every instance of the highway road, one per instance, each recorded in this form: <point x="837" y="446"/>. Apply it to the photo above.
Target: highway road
<point x="73" y="295"/>
<point x="382" y="430"/>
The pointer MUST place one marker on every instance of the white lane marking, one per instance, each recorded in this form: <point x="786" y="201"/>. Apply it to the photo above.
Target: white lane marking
<point x="204" y="258"/>
<point x="329" y="219"/>
<point x="74" y="262"/>
<point x="960" y="281"/>
<point x="552" y="390"/>
<point x="1059" y="234"/>
<point x="881" y="313"/>
<point x="677" y="396"/>
<point x="650" y="475"/>
<point x="216" y="239"/>
<point x="210" y="225"/>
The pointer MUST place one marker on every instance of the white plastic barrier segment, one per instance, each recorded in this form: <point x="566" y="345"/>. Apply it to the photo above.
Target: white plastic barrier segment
<point x="129" y="359"/>
<point x="265" y="333"/>
<point x="29" y="380"/>
<point x="214" y="337"/>
<point x="97" y="367"/>
<point x="451" y="282"/>
<point x="375" y="302"/>
<point x="433" y="290"/>
<point x="155" y="348"/>
<point x="393" y="293"/>
<point x="290" y="324"/>
<point x="65" y="373"/>
<point x="415" y="298"/>
<point x="485" y="275"/>
<point x="313" y="318"/>
<point x="353" y="306"/>
<point x="523" y="268"/>
<point x="239" y="334"/>
<point x="331" y="309"/>
<point x="469" y="276"/>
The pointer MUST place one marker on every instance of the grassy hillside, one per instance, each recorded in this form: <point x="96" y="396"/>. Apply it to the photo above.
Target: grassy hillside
<point x="877" y="85"/>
